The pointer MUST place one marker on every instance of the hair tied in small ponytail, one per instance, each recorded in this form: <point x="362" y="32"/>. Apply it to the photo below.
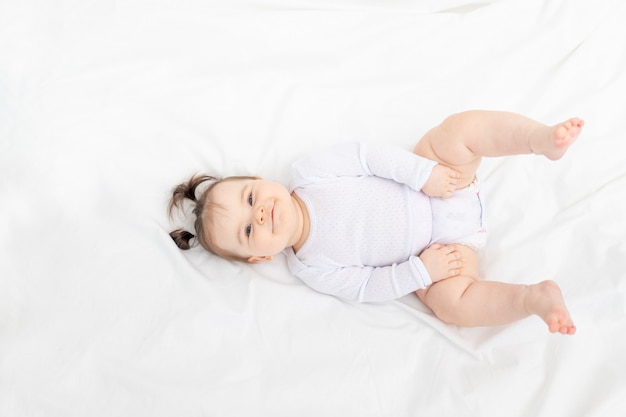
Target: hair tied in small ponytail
<point x="187" y="190"/>
<point x="182" y="238"/>
<point x="190" y="193"/>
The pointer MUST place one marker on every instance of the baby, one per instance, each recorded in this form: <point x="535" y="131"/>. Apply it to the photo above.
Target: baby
<point x="376" y="222"/>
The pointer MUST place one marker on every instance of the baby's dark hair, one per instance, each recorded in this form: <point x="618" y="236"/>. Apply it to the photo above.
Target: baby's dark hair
<point x="203" y="207"/>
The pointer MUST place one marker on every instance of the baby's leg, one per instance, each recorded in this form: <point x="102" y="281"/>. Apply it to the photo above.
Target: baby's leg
<point x="462" y="139"/>
<point x="467" y="302"/>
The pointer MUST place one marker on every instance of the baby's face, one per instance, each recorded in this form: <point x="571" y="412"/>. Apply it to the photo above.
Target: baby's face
<point x="258" y="218"/>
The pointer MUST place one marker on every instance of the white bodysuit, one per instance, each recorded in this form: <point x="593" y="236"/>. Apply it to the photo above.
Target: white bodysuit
<point x="369" y="220"/>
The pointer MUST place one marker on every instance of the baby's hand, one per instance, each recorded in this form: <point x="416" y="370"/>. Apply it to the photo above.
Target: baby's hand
<point x="442" y="182"/>
<point x="442" y="261"/>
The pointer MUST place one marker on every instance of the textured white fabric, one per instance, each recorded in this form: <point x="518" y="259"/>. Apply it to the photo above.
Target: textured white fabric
<point x="369" y="221"/>
<point x="105" y="105"/>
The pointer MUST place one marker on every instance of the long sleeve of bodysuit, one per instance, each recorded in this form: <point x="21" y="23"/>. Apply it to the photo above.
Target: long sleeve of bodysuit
<point x="357" y="159"/>
<point x="365" y="283"/>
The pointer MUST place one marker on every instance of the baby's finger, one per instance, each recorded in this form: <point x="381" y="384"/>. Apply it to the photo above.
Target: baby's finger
<point x="453" y="272"/>
<point x="451" y="249"/>
<point x="456" y="264"/>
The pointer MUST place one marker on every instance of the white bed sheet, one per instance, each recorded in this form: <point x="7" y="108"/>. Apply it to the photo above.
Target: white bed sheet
<point x="105" y="105"/>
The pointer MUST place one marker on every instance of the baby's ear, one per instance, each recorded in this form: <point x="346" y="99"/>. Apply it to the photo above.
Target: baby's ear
<point x="258" y="259"/>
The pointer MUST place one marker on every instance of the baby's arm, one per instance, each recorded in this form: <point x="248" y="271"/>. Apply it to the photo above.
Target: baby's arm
<point x="359" y="159"/>
<point x="442" y="261"/>
<point x="442" y="182"/>
<point x="367" y="283"/>
<point x="376" y="284"/>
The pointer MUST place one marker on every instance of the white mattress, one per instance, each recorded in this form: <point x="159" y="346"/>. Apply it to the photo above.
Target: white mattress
<point x="105" y="105"/>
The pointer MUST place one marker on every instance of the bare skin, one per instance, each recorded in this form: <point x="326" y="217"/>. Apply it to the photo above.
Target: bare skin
<point x="458" y="144"/>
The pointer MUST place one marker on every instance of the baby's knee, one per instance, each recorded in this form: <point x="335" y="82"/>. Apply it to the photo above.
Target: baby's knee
<point x="449" y="313"/>
<point x="444" y="298"/>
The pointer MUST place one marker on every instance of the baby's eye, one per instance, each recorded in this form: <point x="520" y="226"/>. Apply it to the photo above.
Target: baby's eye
<point x="250" y="199"/>
<point x="248" y="230"/>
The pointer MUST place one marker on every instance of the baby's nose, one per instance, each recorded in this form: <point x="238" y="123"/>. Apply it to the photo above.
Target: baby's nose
<point x="260" y="214"/>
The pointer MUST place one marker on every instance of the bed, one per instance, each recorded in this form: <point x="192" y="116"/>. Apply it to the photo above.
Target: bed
<point x="106" y="105"/>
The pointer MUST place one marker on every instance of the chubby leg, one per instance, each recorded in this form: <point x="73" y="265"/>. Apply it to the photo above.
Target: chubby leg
<point x="462" y="139"/>
<point x="467" y="302"/>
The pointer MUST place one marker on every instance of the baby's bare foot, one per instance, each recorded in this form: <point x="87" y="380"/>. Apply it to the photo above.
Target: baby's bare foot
<point x="545" y="300"/>
<point x="553" y="141"/>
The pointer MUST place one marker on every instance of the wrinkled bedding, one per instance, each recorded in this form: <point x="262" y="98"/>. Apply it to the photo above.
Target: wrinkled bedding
<point x="106" y="105"/>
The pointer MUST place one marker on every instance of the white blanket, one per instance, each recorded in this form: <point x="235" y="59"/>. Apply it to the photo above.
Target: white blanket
<point x="106" y="105"/>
